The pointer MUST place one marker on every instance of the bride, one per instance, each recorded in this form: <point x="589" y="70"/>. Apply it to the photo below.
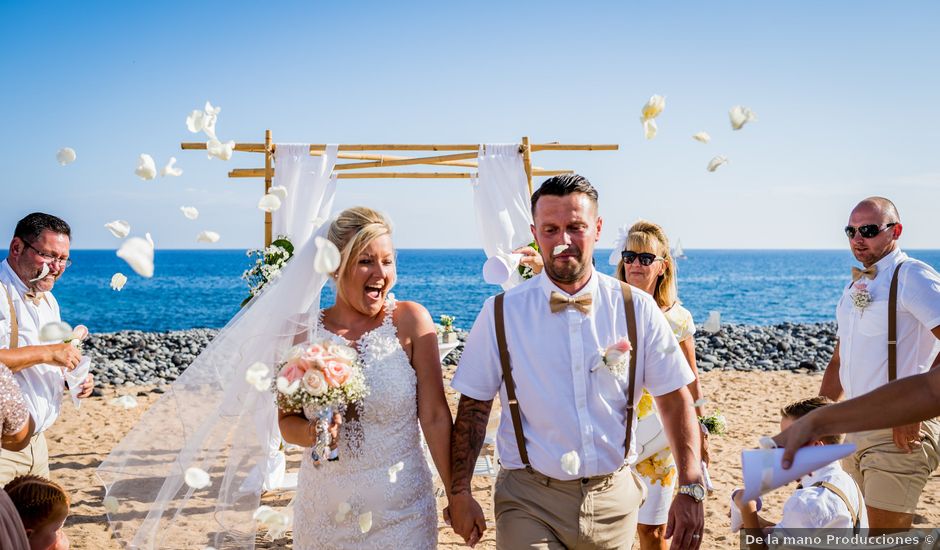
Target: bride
<point x="378" y="492"/>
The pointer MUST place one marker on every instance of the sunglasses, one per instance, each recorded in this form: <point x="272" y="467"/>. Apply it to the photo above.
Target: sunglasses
<point x="869" y="231"/>
<point x="645" y="258"/>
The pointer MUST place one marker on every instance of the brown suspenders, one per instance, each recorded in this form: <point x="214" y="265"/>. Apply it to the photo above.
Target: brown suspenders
<point x="893" y="326"/>
<point x="504" y="362"/>
<point x="838" y="492"/>
<point x="14" y="325"/>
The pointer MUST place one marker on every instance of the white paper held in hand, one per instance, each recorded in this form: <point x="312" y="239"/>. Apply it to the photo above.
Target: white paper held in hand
<point x="76" y="377"/>
<point x="762" y="470"/>
<point x="498" y="268"/>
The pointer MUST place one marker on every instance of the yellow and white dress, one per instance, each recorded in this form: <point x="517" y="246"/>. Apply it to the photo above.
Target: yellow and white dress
<point x="658" y="472"/>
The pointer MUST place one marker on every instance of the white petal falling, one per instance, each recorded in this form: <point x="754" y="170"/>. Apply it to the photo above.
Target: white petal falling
<point x="714" y="163"/>
<point x="702" y="137"/>
<point x="740" y="116"/>
<point x="197" y="478"/>
<point x="219" y="150"/>
<point x="571" y="463"/>
<point x="257" y="376"/>
<point x="66" y="155"/>
<point x="149" y="240"/>
<point x="195" y="122"/>
<point x="341" y="512"/>
<point x="118" y="280"/>
<point x="55" y="332"/>
<point x="276" y="523"/>
<point x="649" y="129"/>
<point x="269" y="203"/>
<point x="700" y="403"/>
<point x="146" y="169"/>
<point x="279" y="191"/>
<point x="393" y="472"/>
<point x="365" y="522"/>
<point x="110" y="505"/>
<point x="138" y="254"/>
<point x="42" y="274"/>
<point x="125" y="402"/>
<point x="713" y="323"/>
<point x="170" y="169"/>
<point x="118" y="228"/>
<point x="653" y="107"/>
<point x="559" y="249"/>
<point x="327" y="258"/>
<point x="208" y="237"/>
<point x="285" y="387"/>
<point x="190" y="212"/>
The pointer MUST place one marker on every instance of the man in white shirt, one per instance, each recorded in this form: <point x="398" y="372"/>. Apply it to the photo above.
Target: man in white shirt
<point x="827" y="498"/>
<point x="38" y="255"/>
<point x="565" y="482"/>
<point x="891" y="465"/>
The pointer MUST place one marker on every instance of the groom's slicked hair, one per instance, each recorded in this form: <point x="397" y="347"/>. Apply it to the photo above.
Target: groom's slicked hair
<point x="29" y="228"/>
<point x="562" y="185"/>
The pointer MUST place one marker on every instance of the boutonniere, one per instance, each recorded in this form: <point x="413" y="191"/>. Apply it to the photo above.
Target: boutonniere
<point x="861" y="298"/>
<point x="615" y="357"/>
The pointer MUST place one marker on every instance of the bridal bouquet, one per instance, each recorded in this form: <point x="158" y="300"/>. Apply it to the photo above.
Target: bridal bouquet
<point x="317" y="378"/>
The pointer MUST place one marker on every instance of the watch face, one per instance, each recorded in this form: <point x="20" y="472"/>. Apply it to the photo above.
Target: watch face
<point x="698" y="492"/>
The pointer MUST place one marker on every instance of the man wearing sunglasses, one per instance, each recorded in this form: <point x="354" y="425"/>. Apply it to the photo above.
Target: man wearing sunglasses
<point x="890" y="465"/>
<point x="38" y="256"/>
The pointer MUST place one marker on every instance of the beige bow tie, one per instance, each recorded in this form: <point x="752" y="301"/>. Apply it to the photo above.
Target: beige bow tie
<point x="34" y="297"/>
<point x="559" y="302"/>
<point x="859" y="273"/>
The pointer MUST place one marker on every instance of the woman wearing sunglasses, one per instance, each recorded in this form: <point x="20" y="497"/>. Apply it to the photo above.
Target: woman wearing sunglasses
<point x="646" y="263"/>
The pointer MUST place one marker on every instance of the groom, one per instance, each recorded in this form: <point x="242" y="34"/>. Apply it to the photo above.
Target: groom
<point x="565" y="440"/>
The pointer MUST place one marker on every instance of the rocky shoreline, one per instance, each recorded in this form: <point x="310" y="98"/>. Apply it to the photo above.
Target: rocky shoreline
<point x="135" y="358"/>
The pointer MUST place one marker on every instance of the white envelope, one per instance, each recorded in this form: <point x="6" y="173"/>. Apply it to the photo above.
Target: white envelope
<point x="75" y="377"/>
<point x="763" y="473"/>
<point x="498" y="269"/>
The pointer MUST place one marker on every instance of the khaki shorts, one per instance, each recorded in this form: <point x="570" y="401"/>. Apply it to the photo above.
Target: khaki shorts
<point x="538" y="512"/>
<point x="890" y="478"/>
<point x="34" y="459"/>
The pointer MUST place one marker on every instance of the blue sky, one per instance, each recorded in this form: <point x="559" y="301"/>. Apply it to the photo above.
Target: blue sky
<point x="845" y="92"/>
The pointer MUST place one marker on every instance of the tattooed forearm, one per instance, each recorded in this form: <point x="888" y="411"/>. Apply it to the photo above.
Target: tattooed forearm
<point x="466" y="440"/>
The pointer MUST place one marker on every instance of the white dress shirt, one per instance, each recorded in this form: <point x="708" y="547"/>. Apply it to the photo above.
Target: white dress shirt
<point x="566" y="404"/>
<point x="863" y="334"/>
<point x="42" y="384"/>
<point x="818" y="507"/>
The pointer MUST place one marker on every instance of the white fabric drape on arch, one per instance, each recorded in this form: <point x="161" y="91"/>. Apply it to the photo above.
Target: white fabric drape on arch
<point x="501" y="202"/>
<point x="208" y="417"/>
<point x="310" y="192"/>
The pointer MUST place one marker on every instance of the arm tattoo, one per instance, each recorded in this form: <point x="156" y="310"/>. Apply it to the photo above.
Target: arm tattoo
<point x="466" y="440"/>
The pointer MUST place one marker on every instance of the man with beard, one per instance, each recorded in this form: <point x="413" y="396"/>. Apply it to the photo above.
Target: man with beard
<point x="890" y="465"/>
<point x="38" y="255"/>
<point x="557" y="349"/>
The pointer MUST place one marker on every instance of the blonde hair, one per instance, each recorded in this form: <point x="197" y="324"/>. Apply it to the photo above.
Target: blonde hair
<point x="645" y="236"/>
<point x="38" y="500"/>
<point x="352" y="231"/>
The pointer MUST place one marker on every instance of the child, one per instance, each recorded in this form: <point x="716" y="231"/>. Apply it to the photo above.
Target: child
<point x="826" y="498"/>
<point x="43" y="506"/>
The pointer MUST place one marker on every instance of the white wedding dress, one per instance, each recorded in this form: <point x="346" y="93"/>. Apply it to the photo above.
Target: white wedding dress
<point x="381" y="468"/>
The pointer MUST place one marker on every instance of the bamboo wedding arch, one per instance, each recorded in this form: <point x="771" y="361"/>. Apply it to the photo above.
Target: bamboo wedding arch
<point x="459" y="156"/>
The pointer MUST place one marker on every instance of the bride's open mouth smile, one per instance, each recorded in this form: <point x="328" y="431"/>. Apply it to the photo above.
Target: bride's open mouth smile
<point x="374" y="291"/>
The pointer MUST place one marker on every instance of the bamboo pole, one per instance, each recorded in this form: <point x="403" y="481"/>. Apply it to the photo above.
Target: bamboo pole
<point x="268" y="177"/>
<point x="527" y="161"/>
<point x="260" y="147"/>
<point x="571" y="147"/>
<point x="260" y="173"/>
<point x="385" y="158"/>
<point x="404" y="161"/>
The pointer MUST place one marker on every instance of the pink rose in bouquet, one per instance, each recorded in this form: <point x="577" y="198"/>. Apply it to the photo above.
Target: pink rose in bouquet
<point x="336" y="372"/>
<point x="294" y="370"/>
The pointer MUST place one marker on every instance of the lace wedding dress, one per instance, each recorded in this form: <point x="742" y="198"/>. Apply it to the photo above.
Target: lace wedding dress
<point x="381" y="469"/>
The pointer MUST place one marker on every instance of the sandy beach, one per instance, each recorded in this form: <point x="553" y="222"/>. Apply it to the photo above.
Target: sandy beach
<point x="80" y="440"/>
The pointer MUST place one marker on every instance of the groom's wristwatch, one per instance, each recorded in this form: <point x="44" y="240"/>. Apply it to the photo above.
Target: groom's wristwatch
<point x="694" y="490"/>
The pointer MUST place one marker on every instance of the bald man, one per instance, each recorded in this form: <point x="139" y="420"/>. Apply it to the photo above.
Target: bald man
<point x="890" y="465"/>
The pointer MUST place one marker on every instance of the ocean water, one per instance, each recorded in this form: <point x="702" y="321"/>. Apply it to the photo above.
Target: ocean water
<point x="196" y="288"/>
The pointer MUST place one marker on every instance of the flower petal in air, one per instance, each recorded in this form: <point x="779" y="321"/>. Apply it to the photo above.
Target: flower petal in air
<point x="559" y="249"/>
<point x="653" y="107"/>
<point x="197" y="478"/>
<point x="66" y="155"/>
<point x="138" y="254"/>
<point x="55" y="332"/>
<point x="269" y="203"/>
<point x="276" y="523"/>
<point x="279" y="191"/>
<point x="327" y="258"/>
<point x="740" y="116"/>
<point x="702" y="137"/>
<point x="714" y="163"/>
<point x="208" y="237"/>
<point x="146" y="169"/>
<point x="713" y="323"/>
<point x="125" y="402"/>
<point x="341" y="512"/>
<point x="190" y="212"/>
<point x="195" y="121"/>
<point x="110" y="505"/>
<point x="393" y="471"/>
<point x="219" y="150"/>
<point x="365" y="522"/>
<point x="649" y="129"/>
<point x="257" y="376"/>
<point x="118" y="280"/>
<point x="571" y="463"/>
<point x="42" y="274"/>
<point x="170" y="169"/>
<point x="118" y="228"/>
